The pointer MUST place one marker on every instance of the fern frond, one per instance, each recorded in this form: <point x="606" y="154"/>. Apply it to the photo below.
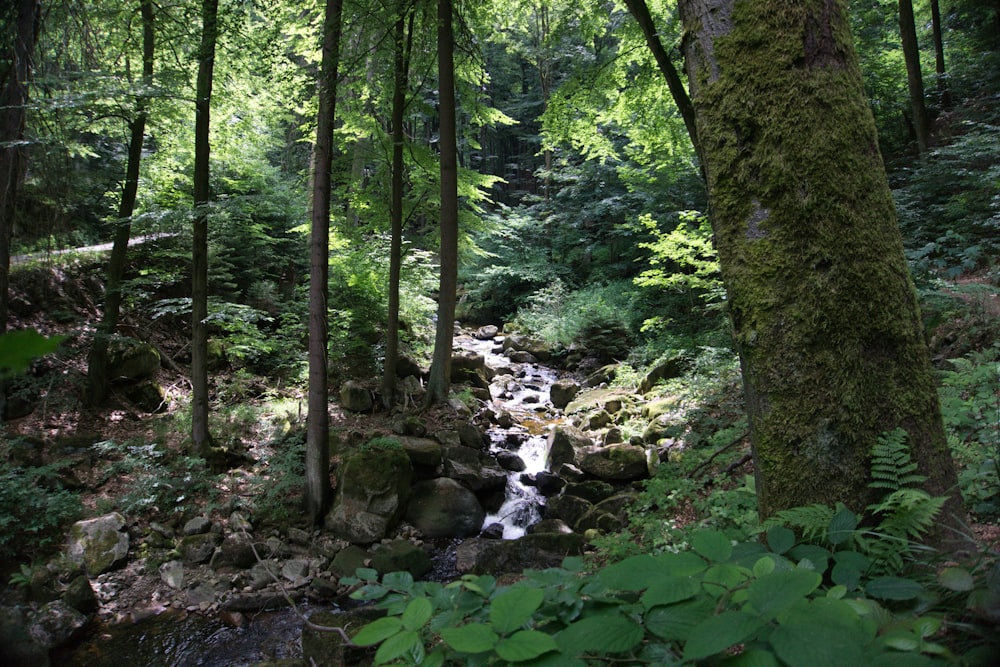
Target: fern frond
<point x="892" y="468"/>
<point x="811" y="521"/>
<point x="908" y="512"/>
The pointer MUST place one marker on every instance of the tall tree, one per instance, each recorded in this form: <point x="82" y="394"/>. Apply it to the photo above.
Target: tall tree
<point x="944" y="94"/>
<point x="200" y="437"/>
<point x="823" y="308"/>
<point x="21" y="23"/>
<point x="439" y="382"/>
<point x="914" y="76"/>
<point x="97" y="370"/>
<point x="318" y="429"/>
<point x="401" y="65"/>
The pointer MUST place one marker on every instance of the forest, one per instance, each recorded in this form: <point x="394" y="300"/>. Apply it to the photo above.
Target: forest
<point x="528" y="332"/>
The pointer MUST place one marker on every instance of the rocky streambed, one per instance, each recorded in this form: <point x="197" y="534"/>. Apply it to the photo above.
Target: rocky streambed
<point x="519" y="476"/>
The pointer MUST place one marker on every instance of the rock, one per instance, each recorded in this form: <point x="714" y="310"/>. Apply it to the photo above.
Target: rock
<point x="599" y="398"/>
<point x="568" y="509"/>
<point x="603" y="375"/>
<point x="664" y="370"/>
<point x="197" y="526"/>
<point x="129" y="359"/>
<point x="469" y="368"/>
<point x="422" y="451"/>
<point x="549" y="526"/>
<point x="239" y="523"/>
<point x="327" y="649"/>
<point x="372" y="489"/>
<point x="488" y="332"/>
<point x="564" y="441"/>
<point x="403" y="424"/>
<point x="295" y="570"/>
<point x="347" y="562"/>
<point x="494" y="531"/>
<point x="299" y="536"/>
<point x="17" y="646"/>
<point x="235" y="551"/>
<point x="592" y="490"/>
<point x="598" y="420"/>
<point x="355" y="398"/>
<point x="399" y="556"/>
<point x="408" y="367"/>
<point x="172" y="574"/>
<point x="661" y="406"/>
<point x="505" y="419"/>
<point x="198" y="548"/>
<point x="548" y="484"/>
<point x="148" y="397"/>
<point x="562" y="392"/>
<point x="510" y="461"/>
<point x="98" y="544"/>
<point x="532" y="551"/>
<point x="444" y="508"/>
<point x="614" y="462"/>
<point x="200" y="596"/>
<point x="479" y="472"/>
<point x="470" y="436"/>
<point x="55" y="624"/>
<point x="571" y="473"/>
<point x="522" y="357"/>
<point x="614" y="436"/>
<point x="80" y="595"/>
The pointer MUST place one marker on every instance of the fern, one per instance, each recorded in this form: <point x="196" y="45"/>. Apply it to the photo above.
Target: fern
<point x="812" y="521"/>
<point x="892" y="468"/>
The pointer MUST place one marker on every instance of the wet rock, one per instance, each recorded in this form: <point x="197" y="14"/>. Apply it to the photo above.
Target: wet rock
<point x="522" y="357"/>
<point x="549" y="526"/>
<point x="80" y="595"/>
<point x="505" y="419"/>
<point x="98" y="544"/>
<point x="535" y="551"/>
<point x="563" y="443"/>
<point x="562" y="392"/>
<point x="17" y="647"/>
<point x="55" y="624"/>
<point x="510" y="461"/>
<point x="444" y="508"/>
<point x="372" y="490"/>
<point x="355" y="397"/>
<point x="494" y="531"/>
<point x="592" y="490"/>
<point x="570" y="473"/>
<point x="469" y="435"/>
<point x="568" y="509"/>
<point x="549" y="484"/>
<point x="198" y="548"/>
<point x="475" y="470"/>
<point x="614" y="462"/>
<point x="200" y="597"/>
<point x="469" y="368"/>
<point x="399" y="556"/>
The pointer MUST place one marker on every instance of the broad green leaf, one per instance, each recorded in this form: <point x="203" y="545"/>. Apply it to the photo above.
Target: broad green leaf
<point x="378" y="630"/>
<point x="780" y="539"/>
<point x="717" y="633"/>
<point x="764" y="566"/>
<point x="754" y="657"/>
<point x="926" y="626"/>
<point x="901" y="641"/>
<point x="842" y="526"/>
<point x="956" y="579"/>
<point x="775" y="592"/>
<point x="724" y="577"/>
<point x="816" y="645"/>
<point x="712" y="544"/>
<point x="471" y="638"/>
<point x="669" y="590"/>
<point x="893" y="588"/>
<point x="640" y="572"/>
<point x="402" y="581"/>
<point x="366" y="574"/>
<point x="19" y="348"/>
<point x="417" y="612"/>
<point x="815" y="554"/>
<point x="600" y="634"/>
<point x="512" y="609"/>
<point x="849" y="568"/>
<point x="525" y="645"/>
<point x="398" y="645"/>
<point x="675" y="622"/>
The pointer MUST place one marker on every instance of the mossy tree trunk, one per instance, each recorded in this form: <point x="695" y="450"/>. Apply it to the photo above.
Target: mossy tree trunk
<point x="823" y="308"/>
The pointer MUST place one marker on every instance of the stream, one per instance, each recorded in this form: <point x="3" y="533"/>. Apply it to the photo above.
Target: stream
<point x="176" y="639"/>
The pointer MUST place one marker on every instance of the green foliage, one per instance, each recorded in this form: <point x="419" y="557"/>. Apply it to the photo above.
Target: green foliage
<point x="35" y="508"/>
<point x="19" y="348"/>
<point x="892" y="467"/>
<point x="782" y="600"/>
<point x="683" y="258"/>
<point x="276" y="493"/>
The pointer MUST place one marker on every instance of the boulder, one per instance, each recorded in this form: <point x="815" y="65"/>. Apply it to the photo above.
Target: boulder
<point x="562" y="392"/>
<point x="564" y="441"/>
<point x="407" y="367"/>
<point x="401" y="555"/>
<point x="348" y="560"/>
<point x="510" y="461"/>
<point x="236" y="551"/>
<point x="80" y="595"/>
<point x="477" y="471"/>
<point x="568" y="509"/>
<point x="198" y="548"/>
<point x="532" y="551"/>
<point x="444" y="508"/>
<point x="372" y="488"/>
<point x="55" y="624"/>
<point x="614" y="462"/>
<point x="422" y="451"/>
<point x="592" y="490"/>
<point x="666" y="369"/>
<point x="355" y="397"/>
<point x="322" y="648"/>
<point x="488" y="332"/>
<point x="129" y="359"/>
<point x="149" y="397"/>
<point x="99" y="544"/>
<point x="603" y="375"/>
<point x="469" y="368"/>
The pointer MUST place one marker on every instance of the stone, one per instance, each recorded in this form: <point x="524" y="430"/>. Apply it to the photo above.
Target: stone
<point x="598" y="420"/>
<point x="355" y="398"/>
<point x="197" y="526"/>
<point x="99" y="544"/>
<point x="444" y="508"/>
<point x="548" y="484"/>
<point x="295" y="570"/>
<point x="549" y="526"/>
<point x="563" y="443"/>
<point x="510" y="461"/>
<point x="299" y="536"/>
<point x="399" y="556"/>
<point x="129" y="359"/>
<point x="239" y="523"/>
<point x="235" y="551"/>
<point x="664" y="370"/>
<point x="16" y="644"/>
<point x="614" y="462"/>
<point x="321" y="648"/>
<point x="80" y="595"/>
<point x="487" y="332"/>
<point x="408" y="367"/>
<point x="562" y="392"/>
<point x="373" y="485"/>
<point x="198" y="548"/>
<point x="469" y="368"/>
<point x="591" y="490"/>
<point x="568" y="509"/>
<point x="422" y="451"/>
<point x="532" y="551"/>
<point x="201" y="595"/>
<point x="470" y="436"/>
<point x="55" y="624"/>
<point x="148" y="397"/>
<point x="479" y="472"/>
<point x="172" y="574"/>
<point x="613" y="436"/>
<point x="348" y="560"/>
<point x="660" y="406"/>
<point x="603" y="375"/>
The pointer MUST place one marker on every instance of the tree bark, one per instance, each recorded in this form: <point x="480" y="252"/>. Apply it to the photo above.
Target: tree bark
<point x="200" y="438"/>
<point x="914" y="77"/>
<point x="13" y="154"/>
<point x="823" y="309"/>
<point x="439" y="382"/>
<point x="97" y="366"/>
<point x="318" y="428"/>
<point x="944" y="94"/>
<point x="401" y="66"/>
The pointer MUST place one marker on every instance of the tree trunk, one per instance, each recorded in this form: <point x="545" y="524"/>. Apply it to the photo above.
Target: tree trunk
<point x="640" y="11"/>
<point x="200" y="438"/>
<point x="823" y="308"/>
<point x="97" y="367"/>
<point x="13" y="155"/>
<point x="944" y="94"/>
<point x="318" y="430"/>
<point x="914" y="77"/>
<point x="401" y="66"/>
<point x="439" y="381"/>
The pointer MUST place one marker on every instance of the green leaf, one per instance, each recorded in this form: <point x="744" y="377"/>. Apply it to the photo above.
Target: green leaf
<point x="893" y="588"/>
<point x="717" y="633"/>
<point x="417" y="613"/>
<point x="780" y="539"/>
<point x="640" y="572"/>
<point x="525" y="645"/>
<point x="712" y="544"/>
<point x="849" y="568"/>
<point x="669" y="590"/>
<point x="675" y="622"/>
<point x="19" y="348"/>
<point x="816" y="645"/>
<point x="956" y="579"/>
<point x="366" y="574"/>
<point x="402" y="581"/>
<point x="600" y="634"/>
<point x="764" y="566"/>
<point x="724" y="577"/>
<point x="775" y="592"/>
<point x="511" y="610"/>
<point x="842" y="526"/>
<point x="754" y="657"/>
<point x="398" y="645"/>
<point x="471" y="638"/>
<point x="378" y="630"/>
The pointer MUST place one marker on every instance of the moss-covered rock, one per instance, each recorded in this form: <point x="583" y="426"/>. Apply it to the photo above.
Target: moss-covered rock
<point x="99" y="544"/>
<point x="373" y="485"/>
<point x="444" y="508"/>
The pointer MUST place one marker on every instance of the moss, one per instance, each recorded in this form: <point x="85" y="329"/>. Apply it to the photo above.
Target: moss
<point x="823" y="308"/>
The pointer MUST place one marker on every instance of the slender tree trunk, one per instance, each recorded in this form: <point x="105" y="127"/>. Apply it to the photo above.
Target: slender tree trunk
<point x="97" y="370"/>
<point x="944" y="94"/>
<point x="439" y="382"/>
<point x="13" y="154"/>
<point x="914" y="77"/>
<point x="822" y="305"/>
<point x="318" y="430"/>
<point x="403" y="37"/>
<point x="200" y="438"/>
<point x="640" y="11"/>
